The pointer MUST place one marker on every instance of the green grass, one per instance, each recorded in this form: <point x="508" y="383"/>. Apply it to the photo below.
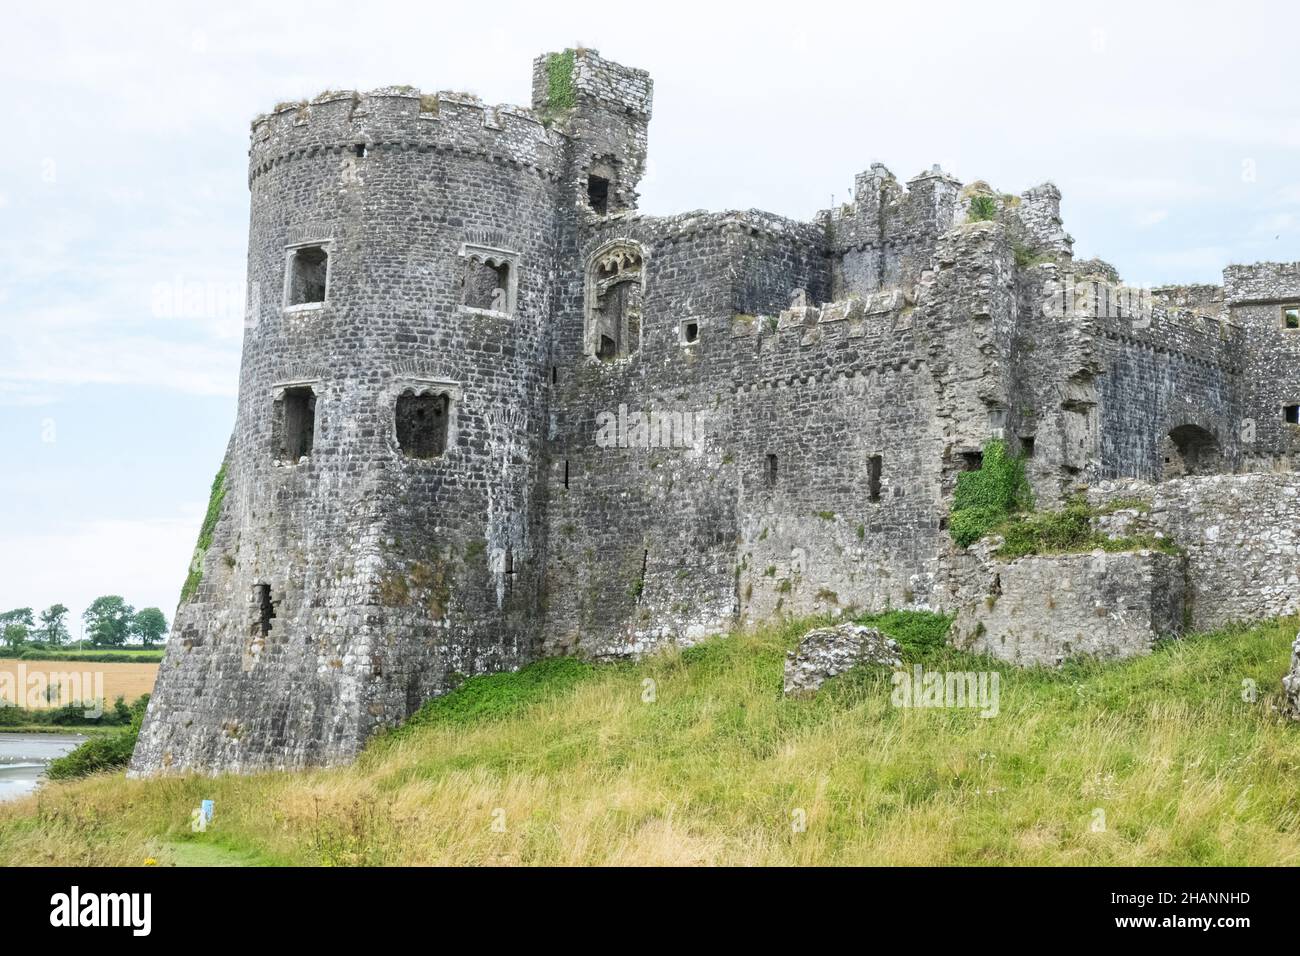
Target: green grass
<point x="693" y="756"/>
<point x="130" y="655"/>
<point x="1069" y="530"/>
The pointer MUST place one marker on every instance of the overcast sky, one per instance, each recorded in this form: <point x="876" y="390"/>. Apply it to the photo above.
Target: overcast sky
<point x="1172" y="131"/>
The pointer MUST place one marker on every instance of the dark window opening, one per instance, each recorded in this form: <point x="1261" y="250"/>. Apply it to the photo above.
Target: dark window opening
<point x="555" y="374"/>
<point x="422" y="424"/>
<point x="1190" y="450"/>
<point x="1027" y="445"/>
<point x="566" y="473"/>
<point x="608" y="349"/>
<point x="873" y="477"/>
<point x="359" y="150"/>
<point x="294" y="428"/>
<point x="1291" y="414"/>
<point x="690" y="332"/>
<point x="263" y="610"/>
<point x="486" y="286"/>
<point x="598" y="194"/>
<point x="1291" y="317"/>
<point x="308" y="272"/>
<point x="972" y="460"/>
<point x="771" y="471"/>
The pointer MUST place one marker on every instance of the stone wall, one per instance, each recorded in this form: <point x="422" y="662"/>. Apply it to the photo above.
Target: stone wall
<point x="661" y="427"/>
<point x="1047" y="609"/>
<point x="1270" y="356"/>
<point x="1242" y="538"/>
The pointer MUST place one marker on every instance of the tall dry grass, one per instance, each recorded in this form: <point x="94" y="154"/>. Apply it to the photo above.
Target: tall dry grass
<point x="1155" y="761"/>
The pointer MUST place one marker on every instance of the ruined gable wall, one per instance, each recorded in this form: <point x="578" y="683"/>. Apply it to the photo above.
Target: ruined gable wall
<point x="643" y="541"/>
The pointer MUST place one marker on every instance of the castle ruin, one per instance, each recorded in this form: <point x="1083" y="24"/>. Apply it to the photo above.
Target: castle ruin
<point x="489" y="412"/>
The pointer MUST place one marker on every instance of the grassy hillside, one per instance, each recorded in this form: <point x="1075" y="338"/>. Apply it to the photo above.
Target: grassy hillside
<point x="694" y="757"/>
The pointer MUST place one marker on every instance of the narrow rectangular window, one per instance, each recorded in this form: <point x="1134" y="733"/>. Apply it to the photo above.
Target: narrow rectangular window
<point x="873" y="477"/>
<point x="263" y="610"/>
<point x="1291" y="316"/>
<point x="598" y="194"/>
<point x="293" y="426"/>
<point x="771" y="471"/>
<point x="566" y="473"/>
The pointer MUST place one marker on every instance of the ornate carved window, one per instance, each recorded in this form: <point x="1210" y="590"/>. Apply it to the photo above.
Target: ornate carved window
<point x="489" y="279"/>
<point x="615" y="289"/>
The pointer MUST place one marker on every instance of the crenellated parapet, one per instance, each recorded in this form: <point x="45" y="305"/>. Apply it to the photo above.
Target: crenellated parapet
<point x="403" y="118"/>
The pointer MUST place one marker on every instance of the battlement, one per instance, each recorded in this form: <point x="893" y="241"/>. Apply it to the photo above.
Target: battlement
<point x="404" y="118"/>
<point x="688" y="225"/>
<point x="1263" y="282"/>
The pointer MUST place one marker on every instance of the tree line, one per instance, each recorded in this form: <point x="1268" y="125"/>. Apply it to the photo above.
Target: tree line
<point x="109" y="621"/>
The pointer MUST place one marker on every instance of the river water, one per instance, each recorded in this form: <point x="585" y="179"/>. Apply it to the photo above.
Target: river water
<point x="23" y="758"/>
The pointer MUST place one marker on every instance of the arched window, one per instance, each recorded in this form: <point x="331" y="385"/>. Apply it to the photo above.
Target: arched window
<point x="615" y="288"/>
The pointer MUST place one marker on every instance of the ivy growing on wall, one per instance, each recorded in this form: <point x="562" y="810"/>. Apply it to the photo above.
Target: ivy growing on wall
<point x="561" y="94"/>
<point x="988" y="496"/>
<point x="215" y="498"/>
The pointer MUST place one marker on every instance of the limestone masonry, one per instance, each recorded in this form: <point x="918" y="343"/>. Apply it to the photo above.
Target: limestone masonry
<point x="489" y="412"/>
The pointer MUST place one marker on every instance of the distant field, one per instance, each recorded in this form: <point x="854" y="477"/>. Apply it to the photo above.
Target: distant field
<point x="138" y="655"/>
<point x="128" y="680"/>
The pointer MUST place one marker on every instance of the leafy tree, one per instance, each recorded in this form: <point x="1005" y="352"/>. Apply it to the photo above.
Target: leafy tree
<point x="15" y="626"/>
<point x="52" y="629"/>
<point x="108" y="620"/>
<point x="19" y="615"/>
<point x="149" y="625"/>
<point x="14" y="635"/>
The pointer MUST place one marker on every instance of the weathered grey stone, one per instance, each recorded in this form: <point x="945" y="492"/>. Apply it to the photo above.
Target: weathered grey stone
<point x="1241" y="534"/>
<point x="1291" y="684"/>
<point x="1046" y="609"/>
<point x="826" y="652"/>
<point x="487" y="270"/>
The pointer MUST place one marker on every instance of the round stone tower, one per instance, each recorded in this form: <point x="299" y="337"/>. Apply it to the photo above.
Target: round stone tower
<point x="377" y="518"/>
